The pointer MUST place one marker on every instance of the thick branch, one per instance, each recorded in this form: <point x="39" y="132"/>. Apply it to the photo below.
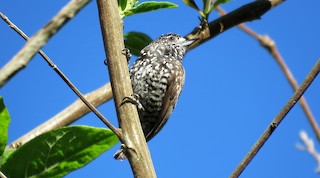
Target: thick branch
<point x="134" y="140"/>
<point x="248" y="12"/>
<point x="277" y="120"/>
<point x="70" y="114"/>
<point x="48" y="125"/>
<point x="212" y="25"/>
<point x="23" y="57"/>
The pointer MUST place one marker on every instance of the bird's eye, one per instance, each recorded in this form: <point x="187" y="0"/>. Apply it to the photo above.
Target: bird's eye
<point x="171" y="38"/>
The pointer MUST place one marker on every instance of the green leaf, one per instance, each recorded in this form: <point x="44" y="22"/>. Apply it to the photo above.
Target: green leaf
<point x="136" y="41"/>
<point x="218" y="2"/>
<point x="206" y="6"/>
<point x="58" y="152"/>
<point x="125" y="5"/>
<point x="4" y="124"/>
<point x="148" y="6"/>
<point x="4" y="157"/>
<point x="122" y="4"/>
<point x="193" y="5"/>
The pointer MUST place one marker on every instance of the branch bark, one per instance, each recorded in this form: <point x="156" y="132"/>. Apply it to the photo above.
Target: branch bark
<point x="53" y="124"/>
<point x="277" y="120"/>
<point x="249" y="12"/>
<point x="67" y="116"/>
<point x="255" y="10"/>
<point x="24" y="56"/>
<point x="271" y="47"/>
<point x="215" y="26"/>
<point x="136" y="147"/>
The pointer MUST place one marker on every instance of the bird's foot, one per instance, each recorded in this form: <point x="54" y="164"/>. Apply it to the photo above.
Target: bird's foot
<point x="127" y="53"/>
<point x="134" y="99"/>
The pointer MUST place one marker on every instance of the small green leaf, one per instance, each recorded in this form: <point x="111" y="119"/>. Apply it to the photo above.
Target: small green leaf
<point x="122" y="4"/>
<point x="4" y="124"/>
<point x="125" y="5"/>
<point x="206" y="6"/>
<point x="193" y="5"/>
<point x="58" y="152"/>
<point x="218" y="2"/>
<point x="149" y="6"/>
<point x="136" y="41"/>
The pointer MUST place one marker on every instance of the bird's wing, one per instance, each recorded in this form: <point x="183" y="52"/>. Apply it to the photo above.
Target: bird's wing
<point x="175" y="84"/>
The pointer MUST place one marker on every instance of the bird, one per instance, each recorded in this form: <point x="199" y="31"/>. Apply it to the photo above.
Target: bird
<point x="157" y="78"/>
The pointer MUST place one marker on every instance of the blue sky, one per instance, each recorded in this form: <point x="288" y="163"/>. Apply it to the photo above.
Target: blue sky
<point x="233" y="88"/>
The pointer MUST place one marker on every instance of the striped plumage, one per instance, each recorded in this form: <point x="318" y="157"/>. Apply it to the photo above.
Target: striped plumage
<point x="157" y="77"/>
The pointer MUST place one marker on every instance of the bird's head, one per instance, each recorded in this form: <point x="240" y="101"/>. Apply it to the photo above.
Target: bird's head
<point x="170" y="44"/>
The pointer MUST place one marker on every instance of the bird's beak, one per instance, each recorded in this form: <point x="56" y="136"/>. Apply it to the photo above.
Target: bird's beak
<point x="189" y="42"/>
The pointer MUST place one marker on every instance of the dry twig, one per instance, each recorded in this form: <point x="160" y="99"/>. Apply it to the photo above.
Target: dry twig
<point x="215" y="28"/>
<point x="70" y="114"/>
<point x="270" y="45"/>
<point x="277" y="120"/>
<point x="2" y="175"/>
<point x="23" y="57"/>
<point x="47" y="126"/>
<point x="308" y="146"/>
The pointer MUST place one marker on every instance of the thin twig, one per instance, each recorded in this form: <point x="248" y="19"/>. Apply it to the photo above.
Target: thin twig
<point x="136" y="150"/>
<point x="248" y="12"/>
<point x="2" y="175"/>
<point x="24" y="56"/>
<point x="276" y="121"/>
<point x="70" y="114"/>
<point x="270" y="45"/>
<point x="216" y="24"/>
<point x="308" y="146"/>
<point x="67" y="81"/>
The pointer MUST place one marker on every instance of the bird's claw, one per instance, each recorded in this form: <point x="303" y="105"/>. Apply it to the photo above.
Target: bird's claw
<point x="127" y="53"/>
<point x="134" y="99"/>
<point x="120" y="154"/>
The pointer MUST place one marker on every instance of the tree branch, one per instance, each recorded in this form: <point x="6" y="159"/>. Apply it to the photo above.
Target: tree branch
<point x="276" y="121"/>
<point x="248" y="12"/>
<point x="24" y="56"/>
<point x="2" y="175"/>
<point x="271" y="47"/>
<point x="75" y="115"/>
<point x="67" y="116"/>
<point x="43" y="127"/>
<point x="136" y="147"/>
<point x="308" y="146"/>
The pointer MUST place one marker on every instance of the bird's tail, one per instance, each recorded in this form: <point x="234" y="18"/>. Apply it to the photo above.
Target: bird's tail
<point x="119" y="155"/>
